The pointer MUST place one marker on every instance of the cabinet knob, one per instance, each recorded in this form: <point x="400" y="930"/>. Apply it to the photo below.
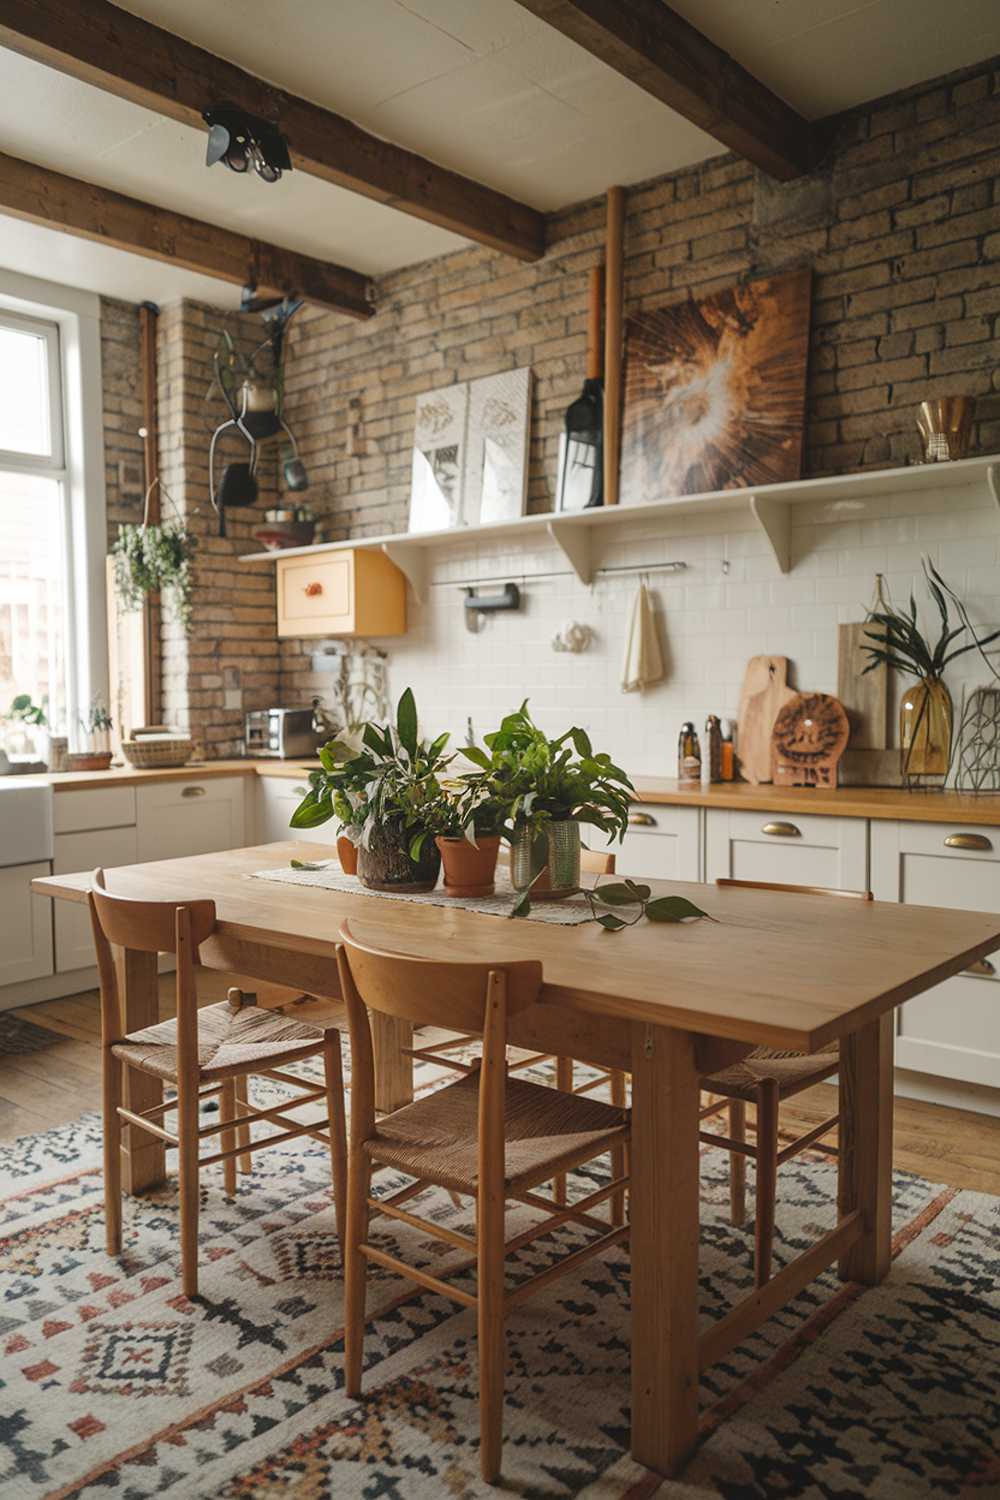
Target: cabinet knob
<point x="641" y="820"/>
<point x="967" y="841"/>
<point x="781" y="830"/>
<point x="193" y="791"/>
<point x="982" y="969"/>
<point x="312" y="589"/>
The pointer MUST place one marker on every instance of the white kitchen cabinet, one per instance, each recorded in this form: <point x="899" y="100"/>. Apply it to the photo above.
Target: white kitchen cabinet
<point x="662" y="842"/>
<point x="25" y="928"/>
<point x="278" y="797"/>
<point x="789" y="848"/>
<point x="104" y="848"/>
<point x="177" y="818"/>
<point x="79" y="808"/>
<point x="952" y="1030"/>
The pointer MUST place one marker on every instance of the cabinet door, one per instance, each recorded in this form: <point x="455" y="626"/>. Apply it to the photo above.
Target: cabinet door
<point x="107" y="848"/>
<point x="316" y="595"/>
<point x="952" y="1030"/>
<point x="662" y="842"/>
<point x="793" y="849"/>
<point x="278" y="799"/>
<point x="25" y="927"/>
<point x="176" y="818"/>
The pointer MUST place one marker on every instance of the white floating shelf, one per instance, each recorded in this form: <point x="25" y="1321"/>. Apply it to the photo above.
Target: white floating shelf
<point x="769" y="505"/>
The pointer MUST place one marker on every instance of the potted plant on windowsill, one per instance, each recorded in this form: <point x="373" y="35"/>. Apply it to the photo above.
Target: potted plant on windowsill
<point x="549" y="788"/>
<point x="383" y="796"/>
<point x="96" y="729"/>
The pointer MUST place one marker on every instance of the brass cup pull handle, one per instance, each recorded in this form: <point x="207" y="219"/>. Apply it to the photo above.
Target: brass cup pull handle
<point x="968" y="841"/>
<point x="982" y="969"/>
<point x="641" y="820"/>
<point x="782" y="830"/>
<point x="193" y="791"/>
<point x="311" y="590"/>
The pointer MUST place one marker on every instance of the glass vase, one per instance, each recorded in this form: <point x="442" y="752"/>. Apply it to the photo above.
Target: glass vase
<point x="925" y="728"/>
<point x="549" y="858"/>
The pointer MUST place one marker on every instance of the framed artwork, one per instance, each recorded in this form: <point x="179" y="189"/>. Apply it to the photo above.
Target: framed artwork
<point x="438" y="459"/>
<point x="496" y="448"/>
<point x="715" y="391"/>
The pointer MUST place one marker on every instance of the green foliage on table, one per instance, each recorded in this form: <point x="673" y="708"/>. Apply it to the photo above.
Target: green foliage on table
<point x="155" y="558"/>
<point x="540" y="780"/>
<point x="393" y="781"/>
<point x="632" y="901"/>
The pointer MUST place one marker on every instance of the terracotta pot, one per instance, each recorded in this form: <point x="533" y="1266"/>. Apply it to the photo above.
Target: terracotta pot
<point x="468" y="870"/>
<point x="347" y="854"/>
<point x="385" y="864"/>
<point x="88" y="760"/>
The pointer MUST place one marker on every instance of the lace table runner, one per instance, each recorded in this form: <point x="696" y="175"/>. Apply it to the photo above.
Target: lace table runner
<point x="329" y="877"/>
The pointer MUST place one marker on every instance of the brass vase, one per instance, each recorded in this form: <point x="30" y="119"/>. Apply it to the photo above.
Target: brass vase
<point x="946" y="426"/>
<point x="925" y="728"/>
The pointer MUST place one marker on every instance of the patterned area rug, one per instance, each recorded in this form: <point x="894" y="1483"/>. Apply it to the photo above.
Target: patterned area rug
<point x="114" y="1384"/>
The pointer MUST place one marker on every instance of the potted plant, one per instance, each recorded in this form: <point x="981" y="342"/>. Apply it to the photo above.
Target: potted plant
<point x="467" y="824"/>
<point x="96" y="727"/>
<point x="925" y="712"/>
<point x="549" y="788"/>
<point x="32" y="727"/>
<point x="383" y="796"/>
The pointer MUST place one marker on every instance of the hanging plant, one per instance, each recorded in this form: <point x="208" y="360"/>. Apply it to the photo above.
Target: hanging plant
<point x="151" y="558"/>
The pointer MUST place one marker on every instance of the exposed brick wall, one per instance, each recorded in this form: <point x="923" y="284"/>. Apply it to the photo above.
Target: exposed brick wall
<point x="121" y="379"/>
<point x="901" y="228"/>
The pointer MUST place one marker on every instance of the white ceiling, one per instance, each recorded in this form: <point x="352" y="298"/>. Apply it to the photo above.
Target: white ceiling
<point x="479" y="85"/>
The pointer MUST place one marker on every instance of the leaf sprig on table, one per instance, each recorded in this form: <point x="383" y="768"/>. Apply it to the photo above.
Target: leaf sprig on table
<point x="624" y="896"/>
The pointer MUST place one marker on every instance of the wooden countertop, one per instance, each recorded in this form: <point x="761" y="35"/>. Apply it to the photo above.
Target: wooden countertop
<point x="845" y="802"/>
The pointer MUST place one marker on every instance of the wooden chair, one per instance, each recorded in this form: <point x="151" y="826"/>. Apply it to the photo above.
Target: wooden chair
<point x="202" y="1053"/>
<point x="488" y="1136"/>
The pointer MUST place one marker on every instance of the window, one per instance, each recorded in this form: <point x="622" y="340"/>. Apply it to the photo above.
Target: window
<point x="34" y="517"/>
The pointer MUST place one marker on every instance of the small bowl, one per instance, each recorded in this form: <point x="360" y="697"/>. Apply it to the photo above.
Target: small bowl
<point x="88" y="760"/>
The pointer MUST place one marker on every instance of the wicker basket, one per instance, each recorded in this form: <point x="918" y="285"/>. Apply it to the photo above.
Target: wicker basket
<point x="157" y="754"/>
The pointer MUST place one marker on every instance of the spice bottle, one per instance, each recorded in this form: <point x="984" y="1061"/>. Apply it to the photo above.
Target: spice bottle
<point x="711" y="769"/>
<point x="728" y="757"/>
<point x="688" y="754"/>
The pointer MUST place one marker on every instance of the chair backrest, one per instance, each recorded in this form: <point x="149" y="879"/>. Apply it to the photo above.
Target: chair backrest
<point x="149" y="927"/>
<point x="798" y="890"/>
<point x="596" y="862"/>
<point x="475" y="997"/>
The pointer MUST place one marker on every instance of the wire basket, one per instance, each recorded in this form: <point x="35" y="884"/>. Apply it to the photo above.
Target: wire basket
<point x="158" y="754"/>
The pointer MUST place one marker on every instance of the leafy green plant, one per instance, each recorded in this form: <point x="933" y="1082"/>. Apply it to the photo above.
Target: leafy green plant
<point x="97" y="718"/>
<point x="630" y="902"/>
<point x="151" y="558"/>
<point x="23" y="711"/>
<point x="899" y="643"/>
<point x="392" y="782"/>
<point x="537" y="780"/>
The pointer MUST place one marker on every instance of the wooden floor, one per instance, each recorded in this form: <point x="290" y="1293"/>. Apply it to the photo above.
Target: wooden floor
<point x="56" y="1084"/>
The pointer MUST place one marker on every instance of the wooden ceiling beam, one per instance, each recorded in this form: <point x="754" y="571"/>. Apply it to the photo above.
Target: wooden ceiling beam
<point x="127" y="56"/>
<point x="95" y="213"/>
<point x="650" y="44"/>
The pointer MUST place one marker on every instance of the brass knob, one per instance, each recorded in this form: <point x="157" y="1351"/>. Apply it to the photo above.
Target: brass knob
<point x="968" y="841"/>
<point x="312" y="589"/>
<point x="641" y="820"/>
<point x="782" y="830"/>
<point x="982" y="969"/>
<point x="193" y="791"/>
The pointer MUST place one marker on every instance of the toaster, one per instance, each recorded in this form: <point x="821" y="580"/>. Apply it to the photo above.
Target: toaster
<point x="282" y="733"/>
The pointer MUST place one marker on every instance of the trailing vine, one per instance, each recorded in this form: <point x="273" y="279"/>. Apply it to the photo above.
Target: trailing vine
<point x="151" y="558"/>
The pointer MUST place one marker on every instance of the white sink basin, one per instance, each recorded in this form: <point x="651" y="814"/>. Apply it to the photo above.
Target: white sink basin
<point x="25" y="823"/>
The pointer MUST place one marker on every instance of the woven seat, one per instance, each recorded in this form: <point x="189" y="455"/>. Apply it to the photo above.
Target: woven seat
<point x="229" y="1041"/>
<point x="791" y="1071"/>
<point x="544" y="1131"/>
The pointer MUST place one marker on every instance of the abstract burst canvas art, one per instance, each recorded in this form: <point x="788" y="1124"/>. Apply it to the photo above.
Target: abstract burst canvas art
<point x="715" y="391"/>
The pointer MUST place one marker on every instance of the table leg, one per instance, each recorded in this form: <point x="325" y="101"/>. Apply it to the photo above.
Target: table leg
<point x="664" y="1242"/>
<point x="143" y="1156"/>
<point x="393" y="1068"/>
<point x="865" y="1182"/>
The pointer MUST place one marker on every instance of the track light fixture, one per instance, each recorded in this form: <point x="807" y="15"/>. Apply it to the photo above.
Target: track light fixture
<point x="243" y="141"/>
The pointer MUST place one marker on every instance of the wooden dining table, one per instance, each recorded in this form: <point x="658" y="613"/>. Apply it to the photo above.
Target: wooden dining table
<point x="670" y="1004"/>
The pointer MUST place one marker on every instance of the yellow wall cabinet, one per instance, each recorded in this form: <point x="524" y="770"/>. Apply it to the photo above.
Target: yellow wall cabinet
<point x="350" y="593"/>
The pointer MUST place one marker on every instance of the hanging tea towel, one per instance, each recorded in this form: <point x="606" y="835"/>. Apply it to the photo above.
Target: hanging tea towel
<point x="643" y="663"/>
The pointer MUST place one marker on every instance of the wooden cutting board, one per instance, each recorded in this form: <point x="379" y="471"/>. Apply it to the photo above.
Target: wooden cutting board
<point x="865" y="695"/>
<point x="765" y="693"/>
<point x="809" y="737"/>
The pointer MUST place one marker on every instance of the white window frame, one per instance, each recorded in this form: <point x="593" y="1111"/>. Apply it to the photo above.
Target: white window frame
<point x="73" y="322"/>
<point x="53" y="462"/>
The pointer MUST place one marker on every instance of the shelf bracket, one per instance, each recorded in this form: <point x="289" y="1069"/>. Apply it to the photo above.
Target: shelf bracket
<point x="774" y="517"/>
<point x="993" y="480"/>
<point x="411" y="561"/>
<point x="574" y="541"/>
